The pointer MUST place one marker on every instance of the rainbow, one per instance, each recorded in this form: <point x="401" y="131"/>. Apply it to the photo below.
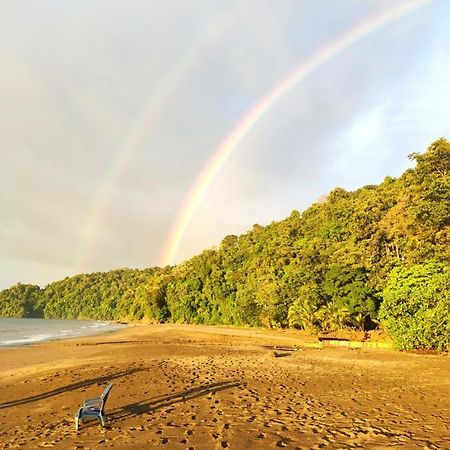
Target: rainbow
<point x="222" y="154"/>
<point x="146" y="122"/>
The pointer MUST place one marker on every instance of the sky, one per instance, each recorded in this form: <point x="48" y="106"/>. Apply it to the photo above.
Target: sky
<point x="140" y="133"/>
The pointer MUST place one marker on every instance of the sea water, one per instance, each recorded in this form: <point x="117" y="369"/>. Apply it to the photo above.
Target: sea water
<point x="17" y="332"/>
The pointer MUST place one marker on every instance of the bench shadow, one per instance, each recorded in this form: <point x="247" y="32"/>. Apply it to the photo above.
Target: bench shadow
<point x="70" y="387"/>
<point x="155" y="403"/>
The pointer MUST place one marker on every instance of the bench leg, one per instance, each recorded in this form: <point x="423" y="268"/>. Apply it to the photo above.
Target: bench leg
<point x="78" y="418"/>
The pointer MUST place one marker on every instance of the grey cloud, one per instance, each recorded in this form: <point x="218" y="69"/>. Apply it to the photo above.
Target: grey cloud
<point x="85" y="82"/>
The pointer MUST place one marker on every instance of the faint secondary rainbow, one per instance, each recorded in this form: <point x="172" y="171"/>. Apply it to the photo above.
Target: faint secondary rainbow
<point x="146" y="123"/>
<point x="222" y="154"/>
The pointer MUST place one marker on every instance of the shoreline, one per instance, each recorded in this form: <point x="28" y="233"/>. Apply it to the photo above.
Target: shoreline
<point x="295" y="335"/>
<point x="183" y="386"/>
<point x="36" y="335"/>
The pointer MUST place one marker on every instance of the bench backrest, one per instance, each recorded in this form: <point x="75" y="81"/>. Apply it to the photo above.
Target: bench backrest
<point x="106" y="392"/>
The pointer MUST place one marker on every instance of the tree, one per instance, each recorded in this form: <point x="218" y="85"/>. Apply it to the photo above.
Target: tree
<point x="347" y="288"/>
<point x="303" y="312"/>
<point x="21" y="300"/>
<point x="333" y="316"/>
<point x="416" y="306"/>
<point x="433" y="184"/>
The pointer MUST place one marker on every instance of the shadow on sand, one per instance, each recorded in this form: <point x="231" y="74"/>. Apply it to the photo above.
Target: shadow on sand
<point x="70" y="387"/>
<point x="155" y="403"/>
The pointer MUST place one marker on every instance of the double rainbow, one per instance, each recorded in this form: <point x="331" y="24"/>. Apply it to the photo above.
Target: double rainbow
<point x="224" y="151"/>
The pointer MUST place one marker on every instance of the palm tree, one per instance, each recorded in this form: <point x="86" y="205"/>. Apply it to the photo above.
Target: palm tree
<point x="333" y="316"/>
<point x="303" y="314"/>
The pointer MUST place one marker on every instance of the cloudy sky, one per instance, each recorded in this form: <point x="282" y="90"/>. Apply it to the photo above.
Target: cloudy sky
<point x="112" y="112"/>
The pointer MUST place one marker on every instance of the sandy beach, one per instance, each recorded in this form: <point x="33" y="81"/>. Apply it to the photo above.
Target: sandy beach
<point x="198" y="387"/>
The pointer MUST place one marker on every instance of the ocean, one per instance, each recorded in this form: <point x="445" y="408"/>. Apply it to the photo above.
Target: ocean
<point x="18" y="332"/>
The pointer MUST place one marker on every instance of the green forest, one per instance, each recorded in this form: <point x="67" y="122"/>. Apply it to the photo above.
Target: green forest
<point x="375" y="257"/>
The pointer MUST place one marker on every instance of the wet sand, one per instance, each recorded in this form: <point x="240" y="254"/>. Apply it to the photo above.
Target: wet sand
<point x="194" y="387"/>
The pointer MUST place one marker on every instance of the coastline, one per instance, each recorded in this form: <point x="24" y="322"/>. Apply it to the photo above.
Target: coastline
<point x="18" y="332"/>
<point x="243" y="388"/>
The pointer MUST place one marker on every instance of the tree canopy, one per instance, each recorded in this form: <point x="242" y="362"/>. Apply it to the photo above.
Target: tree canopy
<point x="348" y="261"/>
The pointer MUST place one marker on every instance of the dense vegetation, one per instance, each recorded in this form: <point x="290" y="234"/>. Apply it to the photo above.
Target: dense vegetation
<point x="378" y="254"/>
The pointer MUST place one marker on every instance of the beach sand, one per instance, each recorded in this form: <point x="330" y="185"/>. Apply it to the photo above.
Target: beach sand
<point x="198" y="387"/>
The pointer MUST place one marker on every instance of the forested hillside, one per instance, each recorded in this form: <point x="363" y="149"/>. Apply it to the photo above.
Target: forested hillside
<point x="378" y="254"/>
